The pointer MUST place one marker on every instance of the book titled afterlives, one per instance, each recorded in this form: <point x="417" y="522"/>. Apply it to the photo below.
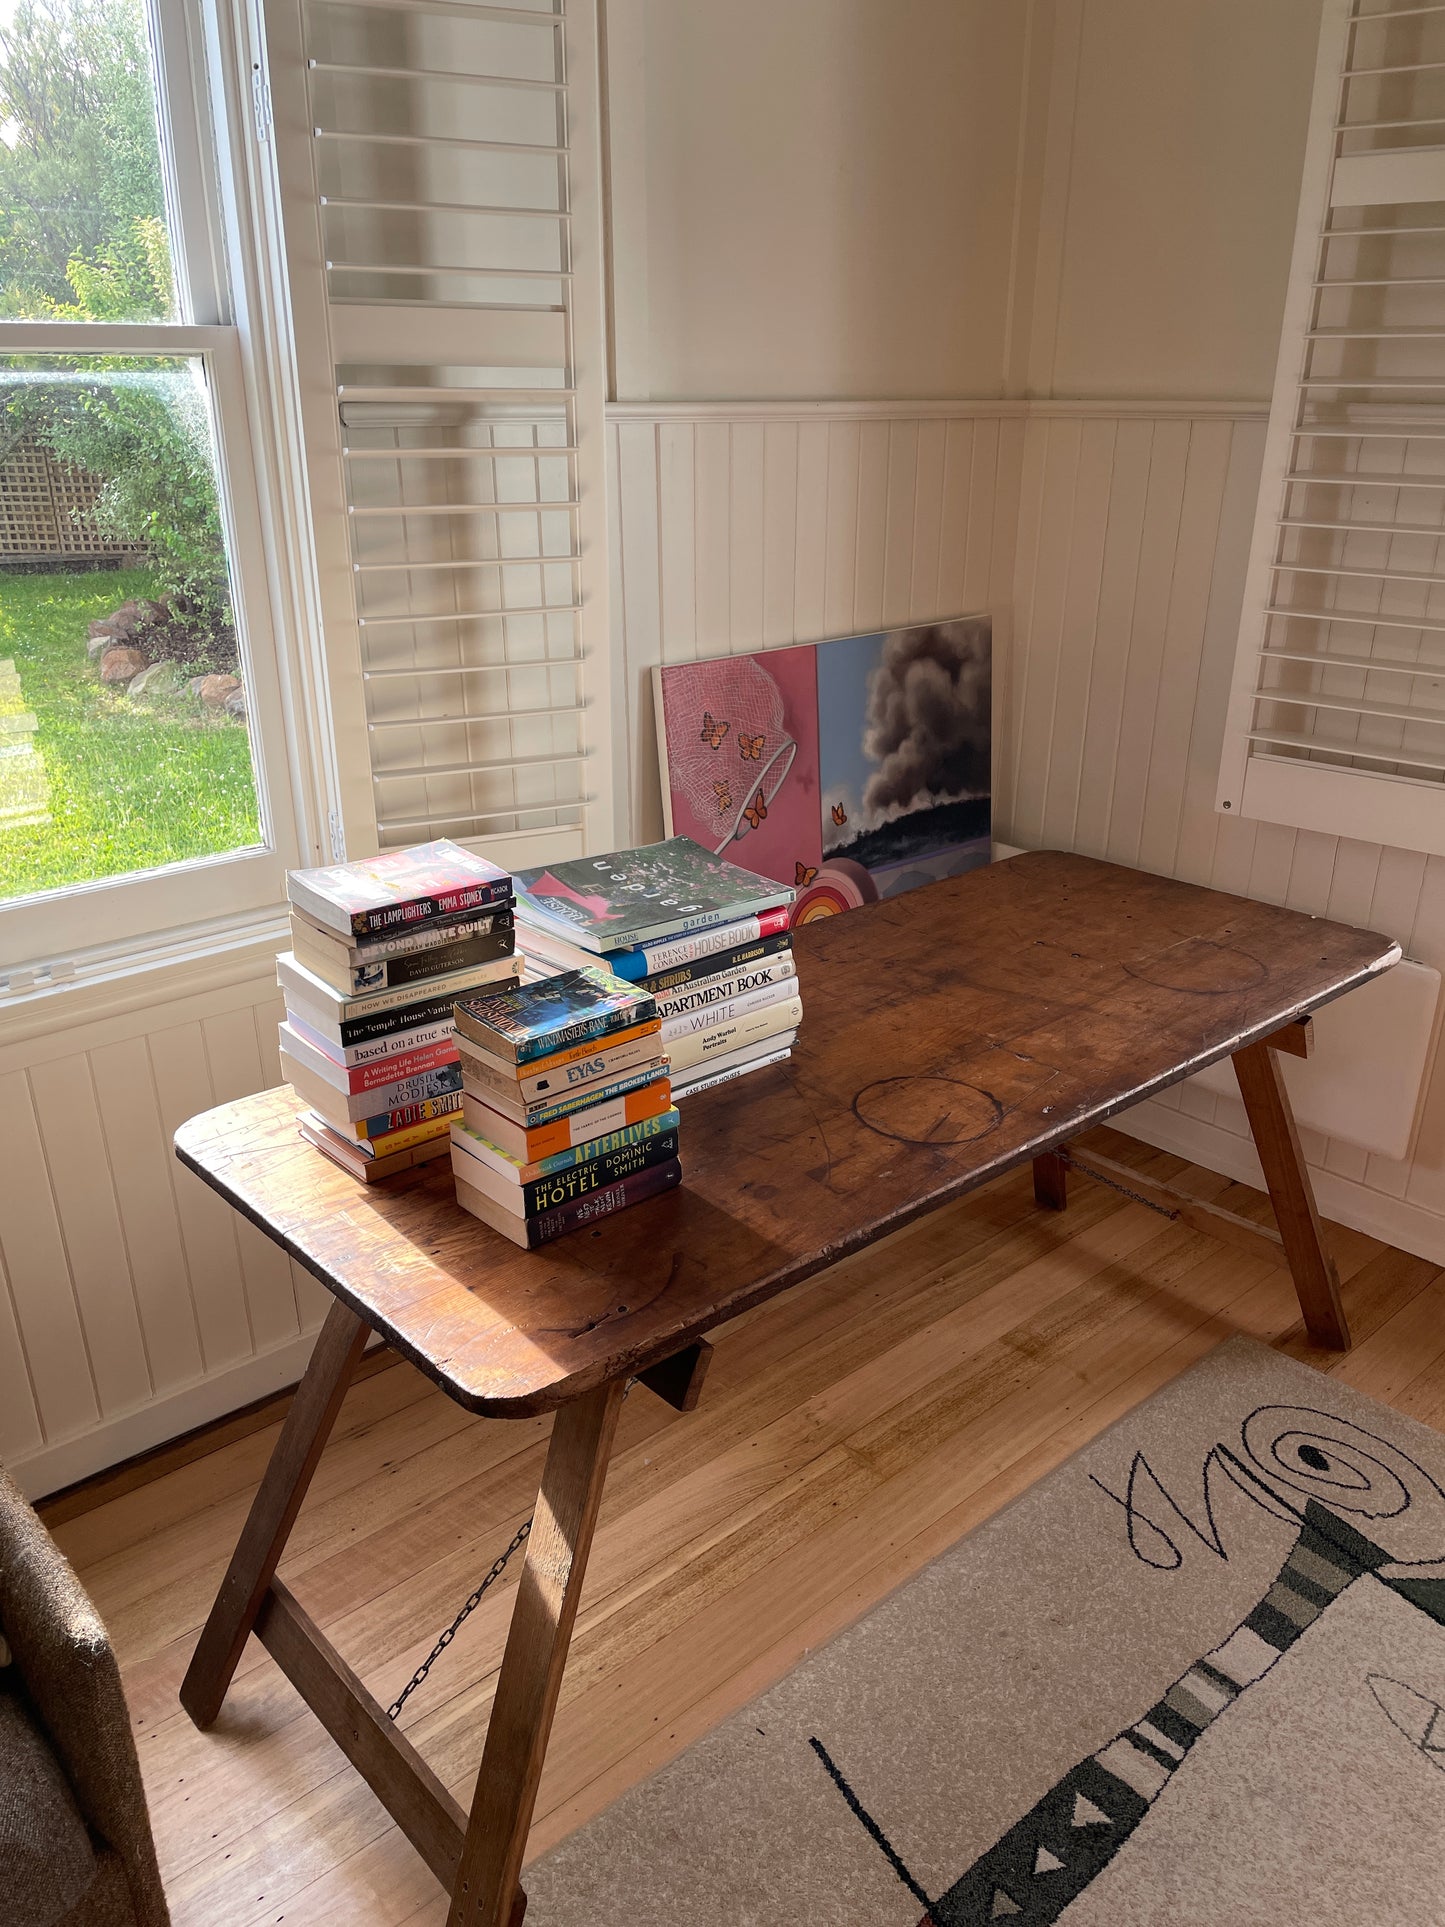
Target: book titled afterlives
<point x="398" y="888"/>
<point x="617" y="902"/>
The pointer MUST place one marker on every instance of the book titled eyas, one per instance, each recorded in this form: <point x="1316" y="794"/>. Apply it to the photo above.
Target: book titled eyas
<point x="398" y="888"/>
<point x="632" y="897"/>
<point x="540" y="1018"/>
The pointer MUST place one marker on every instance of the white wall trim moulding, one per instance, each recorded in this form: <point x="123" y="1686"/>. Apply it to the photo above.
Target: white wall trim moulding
<point x="61" y="1462"/>
<point x="987" y="408"/>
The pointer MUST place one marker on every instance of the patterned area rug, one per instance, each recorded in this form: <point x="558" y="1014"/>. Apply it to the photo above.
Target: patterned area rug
<point x="1195" y="1676"/>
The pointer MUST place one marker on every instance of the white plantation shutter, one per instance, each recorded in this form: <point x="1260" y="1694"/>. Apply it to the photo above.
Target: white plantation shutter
<point x="439" y="163"/>
<point x="1337" y="713"/>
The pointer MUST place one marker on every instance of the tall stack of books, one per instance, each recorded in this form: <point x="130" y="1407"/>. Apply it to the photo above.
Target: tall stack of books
<point x="380" y="951"/>
<point x="567" y="1112"/>
<point x="709" y="941"/>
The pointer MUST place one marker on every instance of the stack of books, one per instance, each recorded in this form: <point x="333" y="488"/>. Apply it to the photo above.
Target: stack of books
<point x="567" y="1113"/>
<point x="707" y="940"/>
<point x="380" y="951"/>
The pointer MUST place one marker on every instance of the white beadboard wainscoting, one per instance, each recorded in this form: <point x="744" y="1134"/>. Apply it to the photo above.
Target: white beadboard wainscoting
<point x="1109" y="541"/>
<point x="134" y="1304"/>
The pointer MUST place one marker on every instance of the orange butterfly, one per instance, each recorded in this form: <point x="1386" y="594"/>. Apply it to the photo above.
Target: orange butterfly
<point x="756" y="812"/>
<point x="712" y="730"/>
<point x="724" y="797"/>
<point x="840" y="815"/>
<point x="751" y="747"/>
<point x="803" y="873"/>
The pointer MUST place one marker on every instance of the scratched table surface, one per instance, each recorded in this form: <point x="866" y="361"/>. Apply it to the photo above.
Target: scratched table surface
<point x="948" y="1035"/>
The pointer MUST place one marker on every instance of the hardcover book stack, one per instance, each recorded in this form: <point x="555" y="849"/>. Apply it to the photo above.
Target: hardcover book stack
<point x="707" y="940"/>
<point x="567" y="1112"/>
<point x="380" y="951"/>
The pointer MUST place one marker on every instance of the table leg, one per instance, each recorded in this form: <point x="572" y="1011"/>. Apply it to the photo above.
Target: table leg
<point x="273" y="1512"/>
<point x="1266" y="1101"/>
<point x="1051" y="1181"/>
<point x="487" y="1891"/>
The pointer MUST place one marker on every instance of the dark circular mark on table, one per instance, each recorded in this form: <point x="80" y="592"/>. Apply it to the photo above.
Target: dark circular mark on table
<point x="928" y="1110"/>
<point x="1201" y="969"/>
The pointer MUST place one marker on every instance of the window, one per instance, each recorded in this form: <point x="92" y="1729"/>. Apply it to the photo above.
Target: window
<point x="1336" y="720"/>
<point x="143" y="775"/>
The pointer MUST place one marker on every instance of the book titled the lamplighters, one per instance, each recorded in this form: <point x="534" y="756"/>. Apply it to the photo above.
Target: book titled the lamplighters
<point x="398" y="888"/>
<point x="625" y="900"/>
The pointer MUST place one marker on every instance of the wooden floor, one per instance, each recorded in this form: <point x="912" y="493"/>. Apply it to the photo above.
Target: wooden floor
<point x="849" y="1431"/>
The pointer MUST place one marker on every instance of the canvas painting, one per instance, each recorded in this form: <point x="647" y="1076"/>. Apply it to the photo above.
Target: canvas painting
<point x="853" y="769"/>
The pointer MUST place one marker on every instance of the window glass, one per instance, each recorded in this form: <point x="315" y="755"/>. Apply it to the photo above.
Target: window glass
<point x="124" y="739"/>
<point x="83" y="232"/>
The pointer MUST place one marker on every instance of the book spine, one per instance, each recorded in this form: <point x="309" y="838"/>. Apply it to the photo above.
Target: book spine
<point x="511" y="1073"/>
<point x="595" y="1205"/>
<point x="586" y="1032"/>
<point x="416" y="966"/>
<point x="484" y="923"/>
<point x="376" y="1077"/>
<point x="429" y="1111"/>
<point x="626" y="1137"/>
<point x="402" y="1064"/>
<point x="578" y="1072"/>
<point x="448" y="903"/>
<point x="728" y="1011"/>
<point x="719" y="1040"/>
<point x="350" y="1056"/>
<point x="404" y="1140"/>
<point x="667" y="954"/>
<point x="419" y="1089"/>
<point x="725" y="1073"/>
<point x="535" y="1195"/>
<point x="343" y="1008"/>
<point x="388" y="1023"/>
<point x="708" y="991"/>
<point x="717" y="963"/>
<point x="529" y="1116"/>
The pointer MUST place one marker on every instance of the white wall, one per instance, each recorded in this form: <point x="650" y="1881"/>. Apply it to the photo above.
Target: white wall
<point x="1166" y="177"/>
<point x="813" y="198"/>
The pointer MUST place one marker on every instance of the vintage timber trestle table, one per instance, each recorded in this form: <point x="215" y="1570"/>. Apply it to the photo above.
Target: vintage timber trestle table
<point x="950" y="1035"/>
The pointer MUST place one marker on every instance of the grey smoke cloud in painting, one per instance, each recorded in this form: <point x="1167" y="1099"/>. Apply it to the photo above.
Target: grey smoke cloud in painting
<point x="928" y="721"/>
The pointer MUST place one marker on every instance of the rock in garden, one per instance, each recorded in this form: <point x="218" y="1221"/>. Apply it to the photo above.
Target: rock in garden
<point x="235" y="705"/>
<point x="121" y="662"/>
<point x="213" y="690"/>
<point x="161" y="679"/>
<point x="157" y="611"/>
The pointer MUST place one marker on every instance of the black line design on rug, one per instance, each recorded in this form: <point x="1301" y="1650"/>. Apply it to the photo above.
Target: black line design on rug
<point x="1049" y="1856"/>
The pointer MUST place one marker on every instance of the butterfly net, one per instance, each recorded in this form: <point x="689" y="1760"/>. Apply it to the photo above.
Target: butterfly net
<point x="726" y="741"/>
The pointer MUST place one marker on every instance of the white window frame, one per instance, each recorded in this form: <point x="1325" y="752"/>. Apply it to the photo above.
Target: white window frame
<point x="223" y="208"/>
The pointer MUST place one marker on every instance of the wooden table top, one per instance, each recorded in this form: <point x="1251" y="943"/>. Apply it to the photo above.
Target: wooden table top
<point x="948" y="1035"/>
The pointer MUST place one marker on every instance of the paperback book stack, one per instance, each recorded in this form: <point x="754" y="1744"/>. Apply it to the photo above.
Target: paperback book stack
<point x="380" y="951"/>
<point x="708" y="941"/>
<point x="567" y="1113"/>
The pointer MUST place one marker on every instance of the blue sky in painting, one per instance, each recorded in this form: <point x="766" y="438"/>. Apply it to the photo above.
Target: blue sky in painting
<point x="843" y="671"/>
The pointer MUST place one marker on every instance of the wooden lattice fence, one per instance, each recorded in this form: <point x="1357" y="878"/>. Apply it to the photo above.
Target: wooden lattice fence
<point x="45" y="515"/>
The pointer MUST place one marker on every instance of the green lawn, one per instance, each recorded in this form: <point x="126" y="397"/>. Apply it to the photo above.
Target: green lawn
<point x="128" y="784"/>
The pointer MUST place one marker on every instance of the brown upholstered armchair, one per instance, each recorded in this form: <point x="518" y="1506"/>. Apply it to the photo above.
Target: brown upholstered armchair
<point x="75" y="1838"/>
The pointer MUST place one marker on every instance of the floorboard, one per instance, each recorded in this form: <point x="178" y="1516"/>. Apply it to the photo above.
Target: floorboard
<point x="849" y="1432"/>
